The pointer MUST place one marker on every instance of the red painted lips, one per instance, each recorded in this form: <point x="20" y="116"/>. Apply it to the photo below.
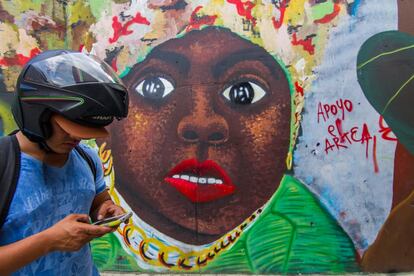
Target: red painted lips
<point x="200" y="182"/>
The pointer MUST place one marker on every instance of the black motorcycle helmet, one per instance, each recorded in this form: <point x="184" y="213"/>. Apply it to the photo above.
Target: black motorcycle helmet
<point x="77" y="86"/>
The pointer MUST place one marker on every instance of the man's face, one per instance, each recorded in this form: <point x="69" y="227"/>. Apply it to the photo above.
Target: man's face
<point x="207" y="135"/>
<point x="61" y="142"/>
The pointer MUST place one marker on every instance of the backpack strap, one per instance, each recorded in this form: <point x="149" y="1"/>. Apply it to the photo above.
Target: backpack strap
<point x="88" y="159"/>
<point x="9" y="173"/>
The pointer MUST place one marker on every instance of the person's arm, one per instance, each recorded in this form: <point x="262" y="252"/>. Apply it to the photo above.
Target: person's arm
<point x="104" y="207"/>
<point x="69" y="234"/>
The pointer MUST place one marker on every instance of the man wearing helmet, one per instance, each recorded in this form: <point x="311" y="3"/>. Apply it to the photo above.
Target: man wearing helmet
<point x="62" y="97"/>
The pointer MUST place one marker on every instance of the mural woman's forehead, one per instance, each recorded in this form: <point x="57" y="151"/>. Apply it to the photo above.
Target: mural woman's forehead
<point x="294" y="31"/>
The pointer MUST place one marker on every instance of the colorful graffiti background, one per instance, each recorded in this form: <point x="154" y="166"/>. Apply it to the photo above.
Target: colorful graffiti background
<point x="250" y="146"/>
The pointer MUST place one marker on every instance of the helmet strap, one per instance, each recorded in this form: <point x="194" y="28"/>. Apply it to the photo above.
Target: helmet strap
<point x="43" y="146"/>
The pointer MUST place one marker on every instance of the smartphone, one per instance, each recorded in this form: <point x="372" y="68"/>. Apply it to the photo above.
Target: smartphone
<point x="114" y="221"/>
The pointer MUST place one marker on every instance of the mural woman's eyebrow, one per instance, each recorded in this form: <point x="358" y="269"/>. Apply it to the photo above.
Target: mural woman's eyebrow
<point x="175" y="59"/>
<point x="245" y="55"/>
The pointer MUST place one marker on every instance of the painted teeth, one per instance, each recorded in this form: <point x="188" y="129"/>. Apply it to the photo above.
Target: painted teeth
<point x="198" y="180"/>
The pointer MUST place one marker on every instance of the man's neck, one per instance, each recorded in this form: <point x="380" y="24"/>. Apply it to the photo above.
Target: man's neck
<point x="34" y="150"/>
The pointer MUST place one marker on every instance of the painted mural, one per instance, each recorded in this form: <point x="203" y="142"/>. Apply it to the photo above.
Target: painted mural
<point x="271" y="136"/>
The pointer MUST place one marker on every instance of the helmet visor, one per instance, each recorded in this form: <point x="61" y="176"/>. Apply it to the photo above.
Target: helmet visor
<point x="71" y="69"/>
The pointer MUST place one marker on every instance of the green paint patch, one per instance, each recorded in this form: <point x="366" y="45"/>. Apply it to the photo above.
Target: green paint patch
<point x="125" y="72"/>
<point x="17" y="7"/>
<point x="294" y="234"/>
<point x="320" y="10"/>
<point x="81" y="11"/>
<point x="7" y="119"/>
<point x="53" y="41"/>
<point x="108" y="255"/>
<point x="97" y="6"/>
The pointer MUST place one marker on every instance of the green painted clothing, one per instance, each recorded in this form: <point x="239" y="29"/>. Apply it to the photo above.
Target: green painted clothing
<point x="294" y="234"/>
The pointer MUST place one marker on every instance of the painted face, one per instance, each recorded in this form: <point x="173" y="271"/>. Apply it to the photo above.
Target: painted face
<point x="207" y="135"/>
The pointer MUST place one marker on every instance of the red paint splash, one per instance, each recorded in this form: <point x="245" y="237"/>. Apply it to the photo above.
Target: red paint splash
<point x="122" y="30"/>
<point x="244" y="9"/>
<point x="278" y="23"/>
<point x="299" y="88"/>
<point x="113" y="65"/>
<point x="329" y="17"/>
<point x="197" y="21"/>
<point x="366" y="136"/>
<point x="386" y="132"/>
<point x="374" y="155"/>
<point x="338" y="123"/>
<point x="305" y="43"/>
<point x="19" y="59"/>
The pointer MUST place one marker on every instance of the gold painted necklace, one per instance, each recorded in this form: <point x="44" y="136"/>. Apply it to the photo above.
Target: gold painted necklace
<point x="154" y="250"/>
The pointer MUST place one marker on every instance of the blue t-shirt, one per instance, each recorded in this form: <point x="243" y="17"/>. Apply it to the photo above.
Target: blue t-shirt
<point x="45" y="195"/>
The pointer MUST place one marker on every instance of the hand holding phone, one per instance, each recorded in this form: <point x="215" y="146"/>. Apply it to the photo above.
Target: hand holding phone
<point x="114" y="221"/>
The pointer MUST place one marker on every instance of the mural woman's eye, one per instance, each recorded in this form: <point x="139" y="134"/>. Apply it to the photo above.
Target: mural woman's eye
<point x="244" y="93"/>
<point x="155" y="87"/>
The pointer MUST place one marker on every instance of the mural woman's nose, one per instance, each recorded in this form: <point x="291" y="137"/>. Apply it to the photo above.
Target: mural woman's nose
<point x="212" y="129"/>
<point x="203" y="125"/>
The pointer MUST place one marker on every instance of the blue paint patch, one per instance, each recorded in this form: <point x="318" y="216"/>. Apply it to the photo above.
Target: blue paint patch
<point x="331" y="200"/>
<point x="296" y="157"/>
<point x="355" y="6"/>
<point x="309" y="180"/>
<point x="364" y="243"/>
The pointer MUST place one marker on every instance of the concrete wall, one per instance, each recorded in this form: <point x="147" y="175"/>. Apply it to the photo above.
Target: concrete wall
<point x="250" y="146"/>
